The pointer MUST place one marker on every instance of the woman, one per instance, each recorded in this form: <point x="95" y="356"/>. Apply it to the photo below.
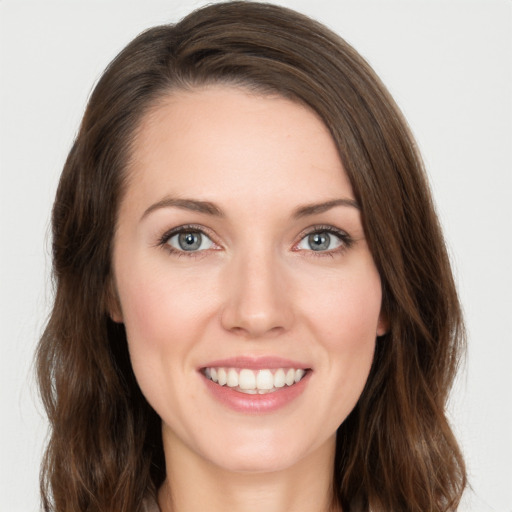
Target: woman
<point x="254" y="305"/>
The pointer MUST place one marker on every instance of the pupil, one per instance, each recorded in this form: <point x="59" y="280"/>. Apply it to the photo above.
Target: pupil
<point x="190" y="241"/>
<point x="319" y="241"/>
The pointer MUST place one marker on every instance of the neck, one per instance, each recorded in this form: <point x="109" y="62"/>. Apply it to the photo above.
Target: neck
<point x="194" y="483"/>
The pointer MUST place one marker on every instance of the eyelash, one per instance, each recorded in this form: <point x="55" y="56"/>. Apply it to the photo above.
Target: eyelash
<point x="345" y="238"/>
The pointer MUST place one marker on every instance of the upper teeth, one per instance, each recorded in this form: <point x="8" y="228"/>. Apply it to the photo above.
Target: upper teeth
<point x="254" y="381"/>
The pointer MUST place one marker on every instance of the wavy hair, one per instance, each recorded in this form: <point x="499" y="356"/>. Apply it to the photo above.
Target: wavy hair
<point x="395" y="452"/>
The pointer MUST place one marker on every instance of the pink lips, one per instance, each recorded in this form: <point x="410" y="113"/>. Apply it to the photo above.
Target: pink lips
<point x="256" y="403"/>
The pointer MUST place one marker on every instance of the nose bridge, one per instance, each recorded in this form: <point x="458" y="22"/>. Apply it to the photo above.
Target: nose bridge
<point x="256" y="300"/>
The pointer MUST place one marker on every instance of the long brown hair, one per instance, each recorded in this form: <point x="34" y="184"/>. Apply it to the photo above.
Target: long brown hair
<point x="395" y="452"/>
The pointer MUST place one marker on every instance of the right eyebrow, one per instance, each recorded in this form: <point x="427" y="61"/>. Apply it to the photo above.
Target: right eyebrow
<point x="316" y="208"/>
<point x="185" y="204"/>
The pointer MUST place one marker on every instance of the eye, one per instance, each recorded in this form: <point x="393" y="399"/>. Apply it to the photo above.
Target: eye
<point x="190" y="241"/>
<point x="324" y="241"/>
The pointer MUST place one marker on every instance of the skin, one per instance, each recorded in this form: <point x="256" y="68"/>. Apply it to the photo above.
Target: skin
<point x="257" y="289"/>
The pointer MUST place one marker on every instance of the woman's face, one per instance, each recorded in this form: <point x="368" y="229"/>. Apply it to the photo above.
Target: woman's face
<point x="249" y="295"/>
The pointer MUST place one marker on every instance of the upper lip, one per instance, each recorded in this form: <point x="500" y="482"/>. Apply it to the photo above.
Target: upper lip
<point x="256" y="363"/>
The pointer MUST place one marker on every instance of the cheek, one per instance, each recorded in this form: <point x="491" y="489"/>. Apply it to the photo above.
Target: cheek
<point x="344" y="319"/>
<point x="347" y="310"/>
<point x="164" y="315"/>
<point x="163" y="307"/>
<point x="162" y="327"/>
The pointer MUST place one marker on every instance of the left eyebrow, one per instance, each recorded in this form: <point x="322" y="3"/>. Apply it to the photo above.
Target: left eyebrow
<point x="313" y="209"/>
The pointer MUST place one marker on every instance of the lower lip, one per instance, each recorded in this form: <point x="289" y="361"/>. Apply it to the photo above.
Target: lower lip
<point x="257" y="404"/>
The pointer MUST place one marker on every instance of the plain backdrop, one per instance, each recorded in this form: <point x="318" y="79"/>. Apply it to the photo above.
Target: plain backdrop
<point x="447" y="63"/>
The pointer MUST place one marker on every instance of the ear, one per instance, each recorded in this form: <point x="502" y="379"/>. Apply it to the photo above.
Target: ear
<point x="382" y="324"/>
<point x="112" y="303"/>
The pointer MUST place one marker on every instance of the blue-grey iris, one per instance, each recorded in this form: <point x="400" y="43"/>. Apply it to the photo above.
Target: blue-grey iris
<point x="190" y="241"/>
<point x="319" y="241"/>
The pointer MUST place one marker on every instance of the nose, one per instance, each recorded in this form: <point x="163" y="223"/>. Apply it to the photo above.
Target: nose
<point x="258" y="302"/>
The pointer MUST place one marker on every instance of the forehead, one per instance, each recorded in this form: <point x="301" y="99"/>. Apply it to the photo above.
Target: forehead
<point x="220" y="143"/>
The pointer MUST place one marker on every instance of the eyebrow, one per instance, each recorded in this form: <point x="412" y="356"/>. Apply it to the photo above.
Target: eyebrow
<point x="210" y="208"/>
<point x="185" y="204"/>
<point x="316" y="208"/>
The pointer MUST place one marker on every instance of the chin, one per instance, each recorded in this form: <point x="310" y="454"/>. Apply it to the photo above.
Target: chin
<point x="257" y="463"/>
<point x="264" y="455"/>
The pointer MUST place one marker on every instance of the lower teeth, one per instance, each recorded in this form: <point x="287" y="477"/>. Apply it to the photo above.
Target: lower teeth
<point x="255" y="391"/>
<point x="252" y="391"/>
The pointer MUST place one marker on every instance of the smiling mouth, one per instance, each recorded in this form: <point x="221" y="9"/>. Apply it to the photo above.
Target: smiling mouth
<point x="254" y="382"/>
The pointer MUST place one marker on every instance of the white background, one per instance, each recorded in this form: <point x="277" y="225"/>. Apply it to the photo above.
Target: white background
<point x="447" y="63"/>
